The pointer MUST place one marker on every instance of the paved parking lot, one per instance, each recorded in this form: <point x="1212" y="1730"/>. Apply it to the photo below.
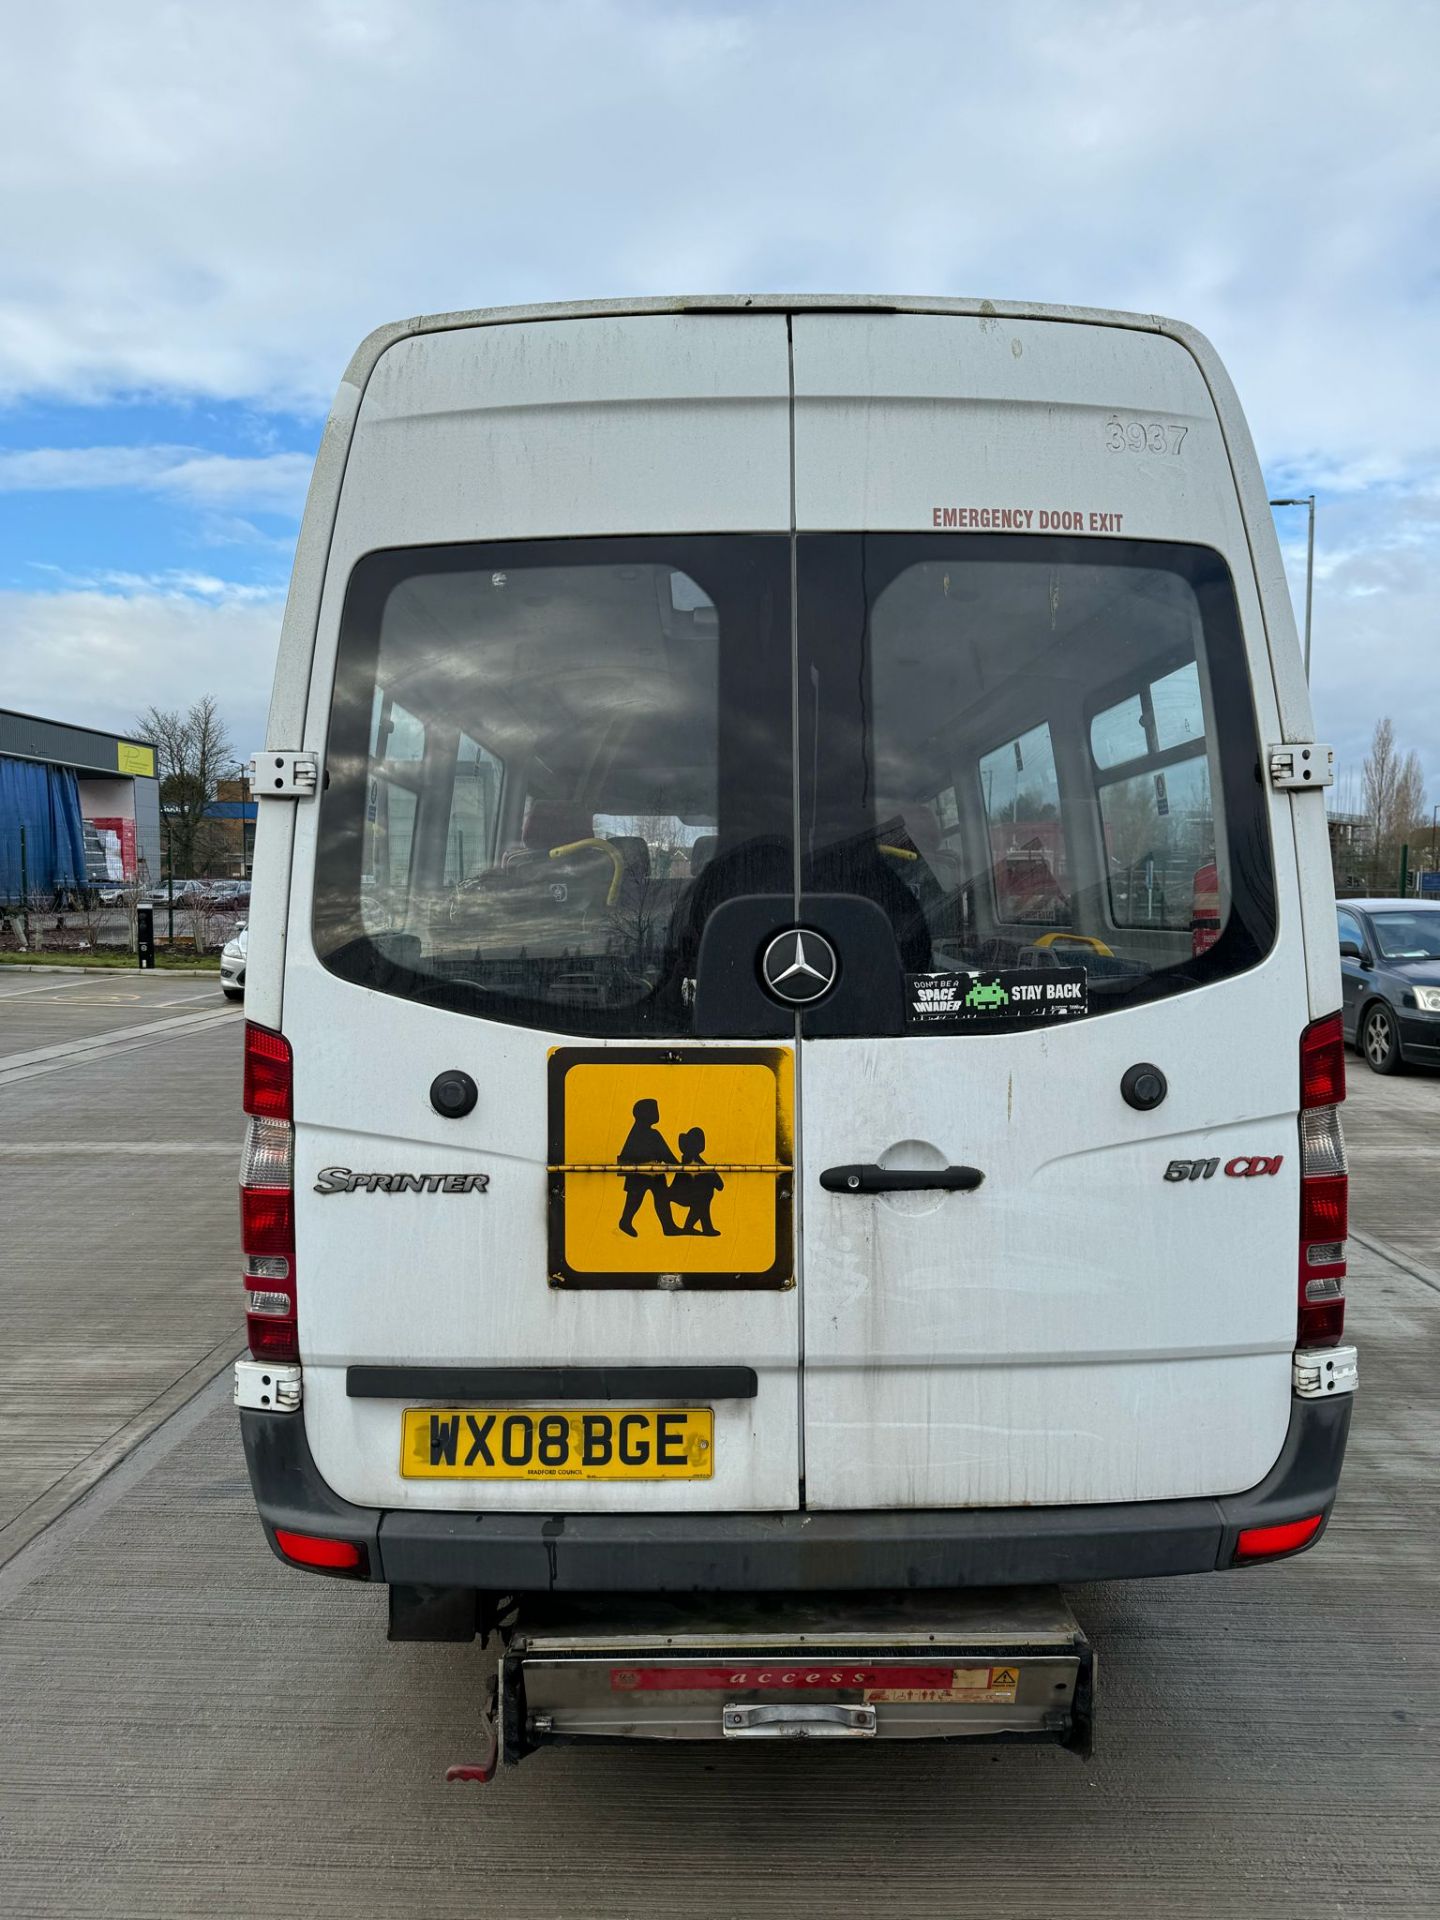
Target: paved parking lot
<point x="192" y="1729"/>
<point x="119" y="1140"/>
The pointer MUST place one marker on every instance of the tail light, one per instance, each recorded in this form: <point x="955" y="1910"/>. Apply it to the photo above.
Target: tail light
<point x="323" y="1554"/>
<point x="1324" y="1185"/>
<point x="267" y="1197"/>
<point x="1269" y="1543"/>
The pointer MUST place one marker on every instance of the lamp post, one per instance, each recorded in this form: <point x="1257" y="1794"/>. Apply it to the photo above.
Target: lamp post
<point x="1308" y="502"/>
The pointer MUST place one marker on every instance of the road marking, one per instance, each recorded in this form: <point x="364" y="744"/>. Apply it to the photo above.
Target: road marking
<point x="87" y="1149"/>
<point x="1406" y="1262"/>
<point x="139" y="999"/>
<point x="40" y="1532"/>
<point x="53" y="986"/>
<point x="21" y="1066"/>
<point x="90" y="1042"/>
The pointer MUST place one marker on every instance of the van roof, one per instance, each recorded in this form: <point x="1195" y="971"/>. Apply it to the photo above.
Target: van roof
<point x="374" y="344"/>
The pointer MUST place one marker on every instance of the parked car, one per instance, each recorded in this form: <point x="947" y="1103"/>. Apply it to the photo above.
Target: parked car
<point x="1390" y="978"/>
<point x="232" y="965"/>
<point x="187" y="894"/>
<point x="230" y="895"/>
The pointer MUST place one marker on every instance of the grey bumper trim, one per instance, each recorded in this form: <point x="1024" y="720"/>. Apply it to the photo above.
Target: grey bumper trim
<point x="802" y="1551"/>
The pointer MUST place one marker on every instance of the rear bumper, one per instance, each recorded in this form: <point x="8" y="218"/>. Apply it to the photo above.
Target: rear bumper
<point x="521" y="1553"/>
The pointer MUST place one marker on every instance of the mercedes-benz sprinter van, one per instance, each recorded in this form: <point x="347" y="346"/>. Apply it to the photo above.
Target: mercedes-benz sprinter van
<point x="793" y="1041"/>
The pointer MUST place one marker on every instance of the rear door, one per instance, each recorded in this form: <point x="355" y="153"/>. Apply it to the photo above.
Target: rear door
<point x="544" y="700"/>
<point x="1032" y="691"/>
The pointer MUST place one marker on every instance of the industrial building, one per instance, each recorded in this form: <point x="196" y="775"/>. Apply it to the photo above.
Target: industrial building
<point x="77" y="807"/>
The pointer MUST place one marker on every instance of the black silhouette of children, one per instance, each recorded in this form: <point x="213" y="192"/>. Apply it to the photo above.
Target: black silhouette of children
<point x="645" y="1146"/>
<point x="695" y="1190"/>
<point x="693" y="1186"/>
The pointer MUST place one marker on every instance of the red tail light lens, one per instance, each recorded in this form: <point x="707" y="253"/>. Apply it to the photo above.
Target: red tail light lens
<point x="1324" y="1185"/>
<point x="1322" y="1063"/>
<point x="268" y="1074"/>
<point x="330" y="1556"/>
<point x="267" y="1201"/>
<point x="1267" y="1543"/>
<point x="1324" y="1215"/>
<point x="267" y="1223"/>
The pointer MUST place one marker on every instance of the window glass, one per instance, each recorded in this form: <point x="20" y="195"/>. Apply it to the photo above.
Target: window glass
<point x="1407" y="936"/>
<point x="474" y="811"/>
<point x="1349" y="929"/>
<point x="1159" y="844"/>
<point x="387" y="844"/>
<point x="1167" y="713"/>
<point x="396" y="735"/>
<point x="1118" y="734"/>
<point x="1033" y="753"/>
<point x="564" y="754"/>
<point x="1027" y="839"/>
<point x="1176" y="705"/>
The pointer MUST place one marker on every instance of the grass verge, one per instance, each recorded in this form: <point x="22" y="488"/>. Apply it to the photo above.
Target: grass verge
<point x="92" y="957"/>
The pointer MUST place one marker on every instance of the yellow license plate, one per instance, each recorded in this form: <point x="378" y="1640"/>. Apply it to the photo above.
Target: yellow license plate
<point x="557" y="1443"/>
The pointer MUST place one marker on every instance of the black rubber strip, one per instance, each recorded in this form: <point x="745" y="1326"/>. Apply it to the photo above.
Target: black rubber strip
<point x="551" y="1383"/>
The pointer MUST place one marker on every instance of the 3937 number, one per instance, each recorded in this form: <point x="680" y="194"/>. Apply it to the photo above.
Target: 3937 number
<point x="1143" y="436"/>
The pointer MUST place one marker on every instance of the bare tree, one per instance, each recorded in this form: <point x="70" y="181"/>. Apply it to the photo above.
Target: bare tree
<point x="1380" y="776"/>
<point x="194" y="754"/>
<point x="1394" y="803"/>
<point x="90" y="917"/>
<point x="1410" y="813"/>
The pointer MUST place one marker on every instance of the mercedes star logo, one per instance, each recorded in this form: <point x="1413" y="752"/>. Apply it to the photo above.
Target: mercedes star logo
<point x="799" y="966"/>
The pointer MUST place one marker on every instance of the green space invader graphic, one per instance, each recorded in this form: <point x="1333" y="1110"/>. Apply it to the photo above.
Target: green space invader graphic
<point x="987" y="993"/>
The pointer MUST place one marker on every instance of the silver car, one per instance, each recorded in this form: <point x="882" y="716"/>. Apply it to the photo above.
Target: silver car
<point x="232" y="965"/>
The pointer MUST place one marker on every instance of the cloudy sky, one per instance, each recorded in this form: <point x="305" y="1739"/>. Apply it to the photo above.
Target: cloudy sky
<point x="206" y="207"/>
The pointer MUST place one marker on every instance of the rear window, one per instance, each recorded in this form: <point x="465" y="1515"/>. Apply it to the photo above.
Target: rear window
<point x="550" y="761"/>
<point x="1052" y="744"/>
<point x="534" y="750"/>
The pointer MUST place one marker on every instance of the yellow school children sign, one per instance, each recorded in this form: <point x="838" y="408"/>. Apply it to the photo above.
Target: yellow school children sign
<point x="671" y="1167"/>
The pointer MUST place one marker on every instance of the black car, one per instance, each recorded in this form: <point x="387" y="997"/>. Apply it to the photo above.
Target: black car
<point x="1390" y="975"/>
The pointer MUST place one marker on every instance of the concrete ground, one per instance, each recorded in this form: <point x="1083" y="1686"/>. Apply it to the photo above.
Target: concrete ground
<point x="1390" y="1135"/>
<point x="190" y="1728"/>
<point x="119" y="1146"/>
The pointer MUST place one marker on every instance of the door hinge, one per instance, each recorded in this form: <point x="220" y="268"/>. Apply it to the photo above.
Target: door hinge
<point x="262" y="1387"/>
<point x="1301" y="764"/>
<point x="284" y="775"/>
<point x="1318" y="1372"/>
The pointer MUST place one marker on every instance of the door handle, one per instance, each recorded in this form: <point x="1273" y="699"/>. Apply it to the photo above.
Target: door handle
<point x="873" y="1179"/>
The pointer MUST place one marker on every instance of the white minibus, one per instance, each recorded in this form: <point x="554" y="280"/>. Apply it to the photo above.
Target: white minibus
<point x="793" y="1058"/>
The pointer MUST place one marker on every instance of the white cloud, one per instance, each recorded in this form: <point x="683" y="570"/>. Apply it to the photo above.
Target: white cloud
<point x="99" y="655"/>
<point x="223" y="202"/>
<point x="273" y="482"/>
<point x="220" y="202"/>
<point x="1376" y="624"/>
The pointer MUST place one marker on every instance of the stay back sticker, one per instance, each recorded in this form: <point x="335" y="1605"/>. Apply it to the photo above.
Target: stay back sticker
<point x="945" y="1002"/>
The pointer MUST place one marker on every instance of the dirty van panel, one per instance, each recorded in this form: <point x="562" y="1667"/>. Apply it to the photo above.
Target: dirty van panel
<point x="938" y="796"/>
<point x="556" y="738"/>
<point x="1031" y="702"/>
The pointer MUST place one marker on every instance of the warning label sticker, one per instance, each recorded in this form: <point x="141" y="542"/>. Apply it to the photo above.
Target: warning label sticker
<point x="945" y="1001"/>
<point x="979" y="1686"/>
